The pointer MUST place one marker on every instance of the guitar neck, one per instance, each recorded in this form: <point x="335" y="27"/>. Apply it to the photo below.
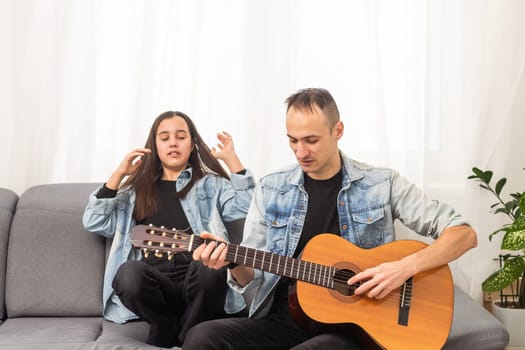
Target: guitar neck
<point x="297" y="269"/>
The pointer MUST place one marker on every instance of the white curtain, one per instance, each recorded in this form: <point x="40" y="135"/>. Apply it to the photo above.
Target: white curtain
<point x="430" y="88"/>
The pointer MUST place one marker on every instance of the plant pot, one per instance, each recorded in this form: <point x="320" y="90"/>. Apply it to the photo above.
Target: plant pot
<point x="513" y="321"/>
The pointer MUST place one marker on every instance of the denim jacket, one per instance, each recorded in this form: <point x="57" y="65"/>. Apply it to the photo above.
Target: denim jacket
<point x="212" y="200"/>
<point x="368" y="203"/>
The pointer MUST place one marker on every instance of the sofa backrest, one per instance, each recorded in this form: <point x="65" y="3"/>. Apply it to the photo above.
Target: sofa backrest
<point x="54" y="266"/>
<point x="8" y="200"/>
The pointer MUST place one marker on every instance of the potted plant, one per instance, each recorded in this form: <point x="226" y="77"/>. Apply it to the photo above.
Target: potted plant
<point x="512" y="258"/>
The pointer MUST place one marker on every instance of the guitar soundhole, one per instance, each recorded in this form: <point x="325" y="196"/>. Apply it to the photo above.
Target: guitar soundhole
<point x="342" y="290"/>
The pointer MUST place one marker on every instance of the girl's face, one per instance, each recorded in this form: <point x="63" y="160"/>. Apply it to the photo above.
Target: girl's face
<point x="174" y="145"/>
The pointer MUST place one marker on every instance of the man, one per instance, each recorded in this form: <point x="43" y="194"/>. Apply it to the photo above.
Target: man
<point x="325" y="192"/>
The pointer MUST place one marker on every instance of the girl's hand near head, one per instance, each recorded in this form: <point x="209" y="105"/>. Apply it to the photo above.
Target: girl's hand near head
<point x="128" y="166"/>
<point x="225" y="151"/>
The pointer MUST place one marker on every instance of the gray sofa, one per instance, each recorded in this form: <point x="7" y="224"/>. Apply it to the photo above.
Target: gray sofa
<point x="51" y="273"/>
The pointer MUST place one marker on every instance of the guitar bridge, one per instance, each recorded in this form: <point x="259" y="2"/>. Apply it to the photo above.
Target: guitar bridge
<point x="404" y="303"/>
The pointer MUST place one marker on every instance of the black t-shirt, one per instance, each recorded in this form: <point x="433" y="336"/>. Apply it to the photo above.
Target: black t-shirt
<point x="170" y="215"/>
<point x="321" y="217"/>
<point x="169" y="210"/>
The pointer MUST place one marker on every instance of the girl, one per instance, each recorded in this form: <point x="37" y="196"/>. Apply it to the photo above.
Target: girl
<point x="177" y="182"/>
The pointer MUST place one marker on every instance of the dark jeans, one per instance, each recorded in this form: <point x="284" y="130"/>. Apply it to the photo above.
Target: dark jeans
<point x="171" y="296"/>
<point x="275" y="331"/>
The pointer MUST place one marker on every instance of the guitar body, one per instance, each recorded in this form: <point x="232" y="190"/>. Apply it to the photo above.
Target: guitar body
<point x="431" y="300"/>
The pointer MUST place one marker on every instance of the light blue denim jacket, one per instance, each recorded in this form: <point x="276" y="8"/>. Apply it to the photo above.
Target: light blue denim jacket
<point x="212" y="200"/>
<point x="368" y="203"/>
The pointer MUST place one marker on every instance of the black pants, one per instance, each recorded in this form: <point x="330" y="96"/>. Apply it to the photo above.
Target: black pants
<point x="276" y="331"/>
<point x="172" y="296"/>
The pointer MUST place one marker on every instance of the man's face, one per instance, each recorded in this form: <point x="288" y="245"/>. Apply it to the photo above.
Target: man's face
<point x="313" y="142"/>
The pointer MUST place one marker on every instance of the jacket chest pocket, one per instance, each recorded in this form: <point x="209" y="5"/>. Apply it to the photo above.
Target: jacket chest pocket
<point x="369" y="226"/>
<point x="277" y="226"/>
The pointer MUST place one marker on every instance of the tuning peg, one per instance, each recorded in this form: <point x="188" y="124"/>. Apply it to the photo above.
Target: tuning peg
<point x="170" y="256"/>
<point x="161" y="244"/>
<point x="158" y="254"/>
<point x="145" y="251"/>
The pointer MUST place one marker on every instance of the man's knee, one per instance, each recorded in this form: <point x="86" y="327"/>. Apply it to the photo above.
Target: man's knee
<point x="205" y="335"/>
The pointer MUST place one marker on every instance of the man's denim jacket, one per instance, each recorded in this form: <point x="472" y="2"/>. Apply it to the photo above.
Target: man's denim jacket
<point x="368" y="203"/>
<point x="211" y="201"/>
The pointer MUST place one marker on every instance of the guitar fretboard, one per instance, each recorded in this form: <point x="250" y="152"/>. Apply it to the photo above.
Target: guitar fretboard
<point x="306" y="271"/>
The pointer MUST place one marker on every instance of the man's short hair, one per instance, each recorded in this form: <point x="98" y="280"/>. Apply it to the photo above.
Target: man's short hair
<point x="307" y="99"/>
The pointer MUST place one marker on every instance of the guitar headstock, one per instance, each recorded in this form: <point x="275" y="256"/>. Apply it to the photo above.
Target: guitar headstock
<point x="158" y="240"/>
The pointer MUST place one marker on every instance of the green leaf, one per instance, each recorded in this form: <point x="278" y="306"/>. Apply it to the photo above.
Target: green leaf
<point x="477" y="171"/>
<point x="511" y="271"/>
<point x="510" y="206"/>
<point x="522" y="202"/>
<point x="499" y="185"/>
<point x="519" y="223"/>
<point x="501" y="210"/>
<point x="514" y="240"/>
<point x="487" y="176"/>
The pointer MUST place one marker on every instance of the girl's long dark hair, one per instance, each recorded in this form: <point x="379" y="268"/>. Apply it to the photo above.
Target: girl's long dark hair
<point x="143" y="180"/>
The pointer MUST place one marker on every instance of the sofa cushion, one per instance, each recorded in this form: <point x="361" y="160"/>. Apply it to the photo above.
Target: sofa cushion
<point x="54" y="266"/>
<point x="8" y="200"/>
<point x="40" y="333"/>
<point x="73" y="333"/>
<point x="473" y="327"/>
<point x="134" y="332"/>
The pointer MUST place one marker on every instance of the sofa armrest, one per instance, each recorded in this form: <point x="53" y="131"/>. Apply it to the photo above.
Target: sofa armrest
<point x="8" y="200"/>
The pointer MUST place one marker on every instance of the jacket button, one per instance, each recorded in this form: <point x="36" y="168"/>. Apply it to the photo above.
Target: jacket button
<point x="341" y="203"/>
<point x="345" y="227"/>
<point x="369" y="219"/>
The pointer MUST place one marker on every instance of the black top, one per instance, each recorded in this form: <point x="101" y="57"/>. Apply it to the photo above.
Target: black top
<point x="321" y="217"/>
<point x="169" y="210"/>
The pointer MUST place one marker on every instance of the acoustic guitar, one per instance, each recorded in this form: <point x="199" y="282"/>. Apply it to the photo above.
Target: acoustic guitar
<point x="418" y="315"/>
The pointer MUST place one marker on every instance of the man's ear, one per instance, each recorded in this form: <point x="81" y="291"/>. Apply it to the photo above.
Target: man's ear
<point x="339" y="129"/>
